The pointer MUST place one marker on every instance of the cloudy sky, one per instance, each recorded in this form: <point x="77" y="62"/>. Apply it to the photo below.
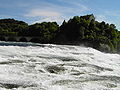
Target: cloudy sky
<point x="32" y="11"/>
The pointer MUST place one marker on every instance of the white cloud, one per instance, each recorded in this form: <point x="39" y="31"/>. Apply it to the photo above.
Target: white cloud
<point x="49" y="11"/>
<point x="65" y="8"/>
<point x="100" y="17"/>
<point x="42" y="13"/>
<point x="76" y="4"/>
<point x="45" y="15"/>
<point x="105" y="18"/>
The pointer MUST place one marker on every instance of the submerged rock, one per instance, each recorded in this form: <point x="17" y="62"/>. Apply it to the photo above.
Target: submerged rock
<point x="55" y="69"/>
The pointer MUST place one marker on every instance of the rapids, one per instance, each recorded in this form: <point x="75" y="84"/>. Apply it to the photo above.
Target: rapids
<point x="29" y="66"/>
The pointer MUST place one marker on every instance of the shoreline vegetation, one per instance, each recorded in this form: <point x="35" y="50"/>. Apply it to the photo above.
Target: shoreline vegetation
<point x="79" y="30"/>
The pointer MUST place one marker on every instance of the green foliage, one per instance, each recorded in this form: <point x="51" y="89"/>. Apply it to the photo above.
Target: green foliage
<point x="45" y="30"/>
<point x="79" y="29"/>
<point x="85" y="28"/>
<point x="11" y="27"/>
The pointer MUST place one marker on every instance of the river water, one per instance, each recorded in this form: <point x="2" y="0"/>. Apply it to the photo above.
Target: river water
<point x="28" y="66"/>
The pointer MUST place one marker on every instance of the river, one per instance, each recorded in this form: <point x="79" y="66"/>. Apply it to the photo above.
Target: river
<point x="30" y="66"/>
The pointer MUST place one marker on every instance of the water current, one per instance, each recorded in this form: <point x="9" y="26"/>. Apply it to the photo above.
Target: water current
<point x="30" y="66"/>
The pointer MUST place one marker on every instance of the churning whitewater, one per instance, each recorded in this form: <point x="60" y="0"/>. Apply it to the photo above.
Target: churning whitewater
<point x="28" y="66"/>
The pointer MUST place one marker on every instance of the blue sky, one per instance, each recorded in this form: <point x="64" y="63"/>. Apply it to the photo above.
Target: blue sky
<point x="32" y="11"/>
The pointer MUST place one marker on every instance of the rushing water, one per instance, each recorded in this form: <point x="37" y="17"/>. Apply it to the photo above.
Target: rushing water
<point x="27" y="66"/>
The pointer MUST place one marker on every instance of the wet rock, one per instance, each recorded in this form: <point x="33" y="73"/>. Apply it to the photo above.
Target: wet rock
<point x="77" y="74"/>
<point x="5" y="62"/>
<point x="68" y="59"/>
<point x="17" y="61"/>
<point x="65" y="82"/>
<point x="11" y="62"/>
<point x="55" y="69"/>
<point x="110" y="85"/>
<point x="15" y="85"/>
<point x="10" y="86"/>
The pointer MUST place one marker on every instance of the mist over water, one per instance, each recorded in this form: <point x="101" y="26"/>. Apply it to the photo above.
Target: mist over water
<point x="28" y="66"/>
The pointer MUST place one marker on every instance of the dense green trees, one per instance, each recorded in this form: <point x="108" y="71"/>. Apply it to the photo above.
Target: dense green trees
<point x="85" y="29"/>
<point x="45" y="30"/>
<point x="79" y="29"/>
<point x="12" y="27"/>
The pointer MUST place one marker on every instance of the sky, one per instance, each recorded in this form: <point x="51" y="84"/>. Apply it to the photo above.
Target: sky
<point x="35" y="11"/>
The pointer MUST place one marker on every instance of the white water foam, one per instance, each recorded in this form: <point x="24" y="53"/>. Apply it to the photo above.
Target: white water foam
<point x="57" y="67"/>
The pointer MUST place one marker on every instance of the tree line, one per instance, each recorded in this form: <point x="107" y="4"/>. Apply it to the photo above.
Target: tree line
<point x="77" y="30"/>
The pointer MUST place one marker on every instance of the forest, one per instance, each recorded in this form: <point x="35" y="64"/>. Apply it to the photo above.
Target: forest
<point x="79" y="30"/>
